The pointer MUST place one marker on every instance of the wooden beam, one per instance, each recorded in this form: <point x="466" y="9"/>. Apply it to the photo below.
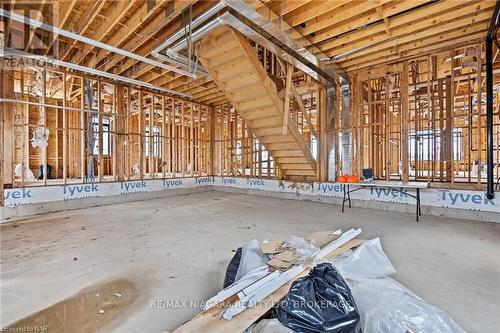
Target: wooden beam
<point x="138" y="43"/>
<point x="312" y="10"/>
<point x="6" y="130"/>
<point x="354" y="23"/>
<point x="64" y="9"/>
<point x="83" y="25"/>
<point x="404" y="121"/>
<point x="416" y="47"/>
<point x="83" y="117"/>
<point x="100" y="110"/>
<point x="38" y="17"/>
<point x="286" y="105"/>
<point x="322" y="140"/>
<point x="117" y="11"/>
<point x="120" y="133"/>
<point x="407" y="33"/>
<point x="425" y="17"/>
<point x="479" y="52"/>
<point x="141" y="135"/>
<point x="342" y="13"/>
<point x="65" y="129"/>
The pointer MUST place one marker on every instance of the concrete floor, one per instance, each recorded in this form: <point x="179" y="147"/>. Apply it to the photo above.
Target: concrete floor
<point x="178" y="248"/>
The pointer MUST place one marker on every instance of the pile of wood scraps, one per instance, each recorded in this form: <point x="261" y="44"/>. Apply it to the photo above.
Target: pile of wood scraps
<point x="241" y="304"/>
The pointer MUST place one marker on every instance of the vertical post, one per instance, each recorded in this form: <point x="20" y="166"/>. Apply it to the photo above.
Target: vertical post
<point x="452" y="120"/>
<point x="469" y="132"/>
<point x="221" y="138"/>
<point x="199" y="143"/>
<point x="119" y="156"/>
<point x="490" y="194"/>
<point x="170" y="139"/>
<point x="286" y="105"/>
<point x="191" y="140"/>
<point x="260" y="159"/>
<point x="387" y="129"/>
<point x="357" y="123"/>
<point x="100" y="110"/>
<point x="441" y="131"/>
<point x="404" y="121"/>
<point x="212" y="116"/>
<point x="115" y="118"/>
<point x="56" y="139"/>
<point x="83" y="116"/>
<point x="141" y="135"/>
<point x="128" y="130"/>
<point x="174" y="139"/>
<point x="479" y="134"/>
<point x="448" y="133"/>
<point x="322" y="139"/>
<point x="433" y="118"/>
<point x="244" y="150"/>
<point x="371" y="137"/>
<point x="227" y="141"/>
<point x="44" y="124"/>
<point x="429" y="112"/>
<point x="164" y="157"/>
<point x="65" y="131"/>
<point x="24" y="125"/>
<point x="151" y="138"/>
<point x="26" y="134"/>
<point x="235" y="140"/>
<point x="183" y="141"/>
<point x="6" y="130"/>
<point x="252" y="152"/>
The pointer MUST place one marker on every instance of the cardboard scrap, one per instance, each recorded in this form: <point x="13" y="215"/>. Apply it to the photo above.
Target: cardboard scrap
<point x="272" y="247"/>
<point x="322" y="238"/>
<point x="284" y="260"/>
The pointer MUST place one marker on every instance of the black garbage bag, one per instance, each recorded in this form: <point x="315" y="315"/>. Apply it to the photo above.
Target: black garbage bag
<point x="232" y="269"/>
<point x="40" y="172"/>
<point x="319" y="302"/>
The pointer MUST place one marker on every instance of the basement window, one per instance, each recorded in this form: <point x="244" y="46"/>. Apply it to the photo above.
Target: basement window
<point x="426" y="140"/>
<point x="106" y="136"/>
<point x="314" y="147"/>
<point x="156" y="142"/>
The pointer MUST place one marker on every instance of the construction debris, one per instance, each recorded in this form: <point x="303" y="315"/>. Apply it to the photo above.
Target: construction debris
<point x="326" y="282"/>
<point x="238" y="306"/>
<point x="319" y="302"/>
<point x="384" y="304"/>
<point x="272" y="247"/>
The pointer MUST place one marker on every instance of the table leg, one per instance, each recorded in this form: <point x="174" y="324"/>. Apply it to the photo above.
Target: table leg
<point x="419" y="204"/>
<point x="419" y="212"/>
<point x="343" y="198"/>
<point x="349" y="194"/>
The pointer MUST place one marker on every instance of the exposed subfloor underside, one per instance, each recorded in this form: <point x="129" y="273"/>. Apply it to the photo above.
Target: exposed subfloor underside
<point x="178" y="248"/>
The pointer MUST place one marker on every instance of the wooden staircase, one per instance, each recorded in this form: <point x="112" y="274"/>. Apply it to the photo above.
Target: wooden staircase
<point x="233" y="64"/>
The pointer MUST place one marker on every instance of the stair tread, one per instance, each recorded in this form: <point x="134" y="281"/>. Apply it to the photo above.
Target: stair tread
<point x="249" y="89"/>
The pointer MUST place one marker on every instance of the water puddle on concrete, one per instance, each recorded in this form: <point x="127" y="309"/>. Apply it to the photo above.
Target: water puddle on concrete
<point x="85" y="312"/>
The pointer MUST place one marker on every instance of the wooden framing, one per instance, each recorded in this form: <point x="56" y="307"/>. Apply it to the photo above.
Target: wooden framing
<point x="440" y="119"/>
<point x="436" y="100"/>
<point x="121" y="120"/>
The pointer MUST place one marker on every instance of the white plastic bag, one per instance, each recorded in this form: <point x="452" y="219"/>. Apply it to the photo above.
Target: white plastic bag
<point x="40" y="137"/>
<point x="251" y="258"/>
<point x="304" y="248"/>
<point x="366" y="262"/>
<point x="386" y="306"/>
<point x="28" y="174"/>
